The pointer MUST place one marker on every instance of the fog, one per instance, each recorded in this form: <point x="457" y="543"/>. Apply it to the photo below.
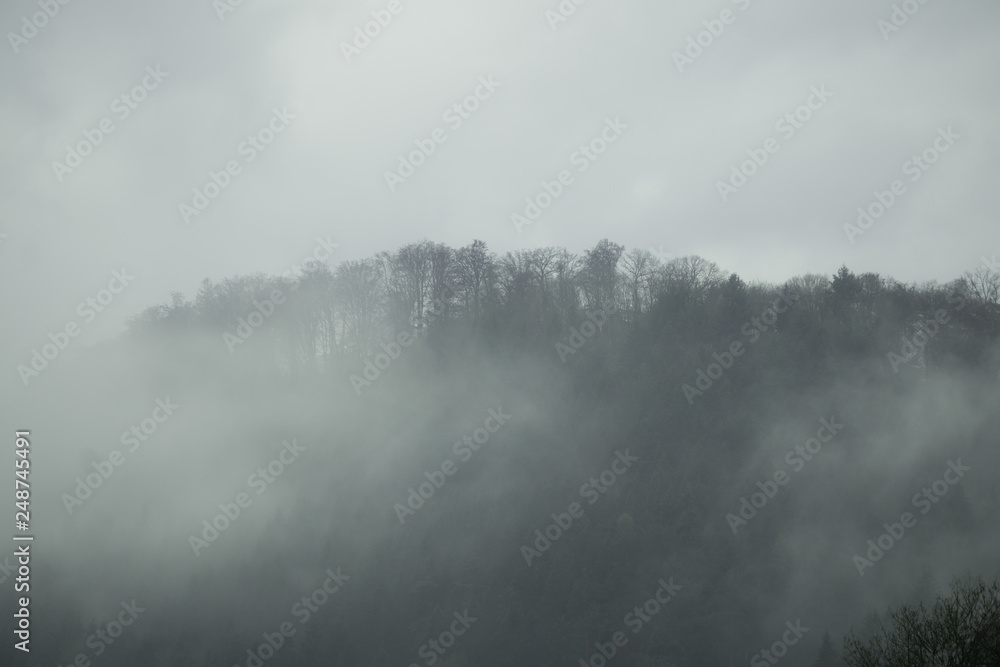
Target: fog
<point x="515" y="334"/>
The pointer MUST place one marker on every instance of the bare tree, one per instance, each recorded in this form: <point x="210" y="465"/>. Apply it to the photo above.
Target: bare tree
<point x="310" y="314"/>
<point x="962" y="630"/>
<point x="638" y="268"/>
<point x="442" y="273"/>
<point x="811" y="290"/>
<point x="516" y="279"/>
<point x="983" y="284"/>
<point x="600" y="277"/>
<point x="690" y="278"/>
<point x="567" y="289"/>
<point x="473" y="275"/>
<point x="408" y="281"/>
<point x="360" y="292"/>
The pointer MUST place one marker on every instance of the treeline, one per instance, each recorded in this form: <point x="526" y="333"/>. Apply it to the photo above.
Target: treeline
<point x="331" y="315"/>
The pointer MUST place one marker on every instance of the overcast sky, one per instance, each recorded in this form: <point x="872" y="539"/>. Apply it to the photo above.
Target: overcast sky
<point x="655" y="187"/>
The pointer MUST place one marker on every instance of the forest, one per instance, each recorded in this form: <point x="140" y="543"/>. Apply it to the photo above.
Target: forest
<point x="539" y="458"/>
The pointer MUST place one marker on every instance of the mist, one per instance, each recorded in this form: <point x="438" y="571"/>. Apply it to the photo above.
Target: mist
<point x="394" y="333"/>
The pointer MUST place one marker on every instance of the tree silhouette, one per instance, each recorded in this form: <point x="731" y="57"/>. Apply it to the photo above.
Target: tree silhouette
<point x="962" y="630"/>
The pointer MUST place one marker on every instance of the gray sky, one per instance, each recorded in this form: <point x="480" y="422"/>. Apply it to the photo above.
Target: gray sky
<point x="655" y="187"/>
